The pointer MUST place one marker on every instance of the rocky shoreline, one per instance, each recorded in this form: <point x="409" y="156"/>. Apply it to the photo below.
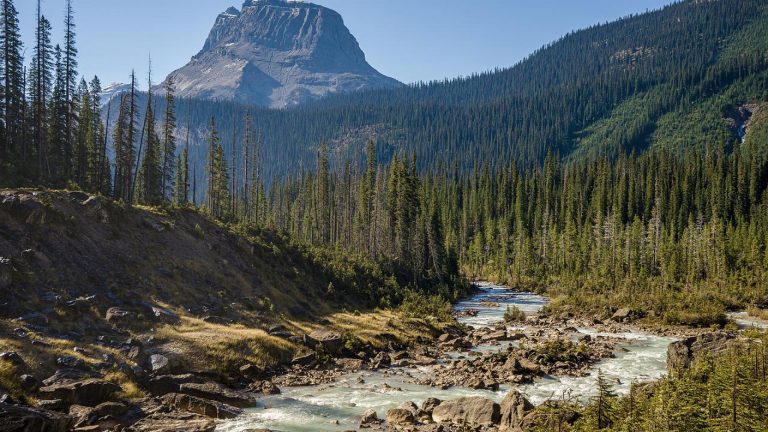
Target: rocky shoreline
<point x="78" y="398"/>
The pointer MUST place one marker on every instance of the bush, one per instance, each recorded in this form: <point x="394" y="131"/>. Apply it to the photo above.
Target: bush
<point x="513" y="314"/>
<point x="418" y="305"/>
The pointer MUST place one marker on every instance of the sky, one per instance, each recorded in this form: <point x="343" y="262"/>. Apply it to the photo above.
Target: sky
<point x="410" y="40"/>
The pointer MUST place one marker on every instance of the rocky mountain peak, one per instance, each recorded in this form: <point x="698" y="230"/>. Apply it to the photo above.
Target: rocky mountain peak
<point x="278" y="53"/>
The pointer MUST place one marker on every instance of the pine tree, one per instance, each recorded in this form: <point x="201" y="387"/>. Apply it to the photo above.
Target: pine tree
<point x="182" y="177"/>
<point x="13" y="82"/>
<point x="40" y="83"/>
<point x="101" y="173"/>
<point x="69" y="65"/>
<point x="169" y="141"/>
<point x="217" y="195"/>
<point x="85" y="155"/>
<point x="123" y="140"/>
<point x="59" y="154"/>
<point x="150" y="190"/>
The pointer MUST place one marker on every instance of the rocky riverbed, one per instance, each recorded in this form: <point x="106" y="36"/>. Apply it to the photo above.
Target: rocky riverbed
<point x="485" y="370"/>
<point x="481" y="364"/>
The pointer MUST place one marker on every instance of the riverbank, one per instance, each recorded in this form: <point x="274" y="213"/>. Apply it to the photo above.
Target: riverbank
<point x="350" y="364"/>
<point x="481" y="357"/>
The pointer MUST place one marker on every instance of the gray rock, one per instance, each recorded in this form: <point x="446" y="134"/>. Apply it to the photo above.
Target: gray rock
<point x="400" y="417"/>
<point x="70" y="362"/>
<point x="305" y="360"/>
<point x="116" y="315"/>
<point x="430" y="403"/>
<point x="12" y="357"/>
<point x="514" y="408"/>
<point x="217" y="392"/>
<point x="476" y="411"/>
<point x="682" y="353"/>
<point x="208" y="408"/>
<point x="27" y="419"/>
<point x="368" y="418"/>
<point x="174" y="422"/>
<point x="278" y="54"/>
<point x="329" y="341"/>
<point x="165" y="384"/>
<point x="29" y="383"/>
<point x="90" y="392"/>
<point x="64" y="376"/>
<point x="158" y="363"/>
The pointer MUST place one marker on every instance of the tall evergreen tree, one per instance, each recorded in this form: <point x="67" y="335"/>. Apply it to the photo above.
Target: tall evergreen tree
<point x="40" y="83"/>
<point x="169" y="141"/>
<point x="13" y="82"/>
<point x="69" y="64"/>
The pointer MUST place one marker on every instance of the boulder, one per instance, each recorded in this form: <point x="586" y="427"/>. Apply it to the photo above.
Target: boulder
<point x="349" y="364"/>
<point x="26" y="419"/>
<point x="499" y="335"/>
<point x="514" y="408"/>
<point x="29" y="383"/>
<point x="116" y="315"/>
<point x="51" y="404"/>
<point x="11" y="357"/>
<point x="64" y="376"/>
<point x="162" y="315"/>
<point x="158" y="363"/>
<point x="196" y="405"/>
<point x="682" y="353"/>
<point x="174" y="422"/>
<point x="70" y="362"/>
<point x="429" y="404"/>
<point x="165" y="384"/>
<point x="217" y="392"/>
<point x="476" y="411"/>
<point x="86" y="416"/>
<point x="368" y="419"/>
<point x="308" y="359"/>
<point x="329" y="341"/>
<point x="264" y="387"/>
<point x="250" y="371"/>
<point x="622" y="315"/>
<point x="400" y="417"/>
<point x="90" y="392"/>
<point x="529" y="366"/>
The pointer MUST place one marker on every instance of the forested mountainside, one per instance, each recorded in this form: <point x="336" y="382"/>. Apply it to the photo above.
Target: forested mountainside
<point x="682" y="77"/>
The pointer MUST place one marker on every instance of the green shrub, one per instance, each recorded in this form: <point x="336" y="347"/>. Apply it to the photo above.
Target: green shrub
<point x="513" y="314"/>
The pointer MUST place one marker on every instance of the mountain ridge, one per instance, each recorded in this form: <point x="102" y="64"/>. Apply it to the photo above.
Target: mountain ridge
<point x="277" y="54"/>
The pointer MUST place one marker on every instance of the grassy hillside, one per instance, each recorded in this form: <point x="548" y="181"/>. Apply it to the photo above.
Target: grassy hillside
<point x="201" y="293"/>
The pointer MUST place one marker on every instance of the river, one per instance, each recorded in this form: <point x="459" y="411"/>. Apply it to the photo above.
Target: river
<point x="338" y="406"/>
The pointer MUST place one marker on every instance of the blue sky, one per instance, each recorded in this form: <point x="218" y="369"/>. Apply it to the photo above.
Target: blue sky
<point x="410" y="40"/>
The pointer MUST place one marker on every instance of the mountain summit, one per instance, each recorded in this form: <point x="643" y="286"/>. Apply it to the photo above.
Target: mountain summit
<point x="277" y="53"/>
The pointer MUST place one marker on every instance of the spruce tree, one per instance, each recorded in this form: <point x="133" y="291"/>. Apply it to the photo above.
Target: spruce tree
<point x="40" y="83"/>
<point x="13" y="82"/>
<point x="69" y="64"/>
<point x="169" y="142"/>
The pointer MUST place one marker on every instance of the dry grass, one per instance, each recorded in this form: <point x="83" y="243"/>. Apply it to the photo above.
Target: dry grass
<point x="130" y="389"/>
<point x="371" y="326"/>
<point x="756" y="312"/>
<point x="197" y="345"/>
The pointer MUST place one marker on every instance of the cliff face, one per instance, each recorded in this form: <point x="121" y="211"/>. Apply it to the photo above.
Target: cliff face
<point x="276" y="53"/>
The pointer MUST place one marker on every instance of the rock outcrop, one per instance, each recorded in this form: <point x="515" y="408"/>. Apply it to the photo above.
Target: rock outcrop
<point x="682" y="353"/>
<point x="26" y="419"/>
<point x="276" y="53"/>
<point x="475" y="411"/>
